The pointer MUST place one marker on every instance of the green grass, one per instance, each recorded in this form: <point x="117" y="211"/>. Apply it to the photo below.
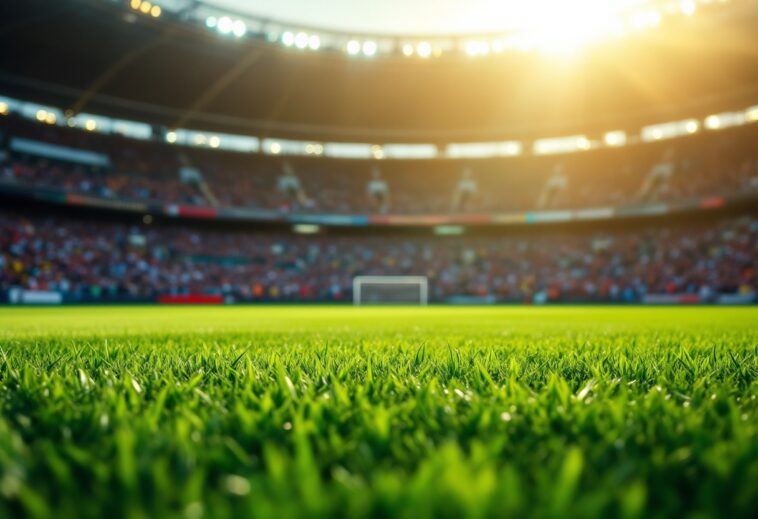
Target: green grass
<point x="399" y="412"/>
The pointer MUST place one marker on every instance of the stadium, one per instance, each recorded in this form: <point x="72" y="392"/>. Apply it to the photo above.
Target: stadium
<point x="378" y="259"/>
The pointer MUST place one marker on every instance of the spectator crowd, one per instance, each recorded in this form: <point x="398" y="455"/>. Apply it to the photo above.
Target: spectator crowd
<point x="88" y="260"/>
<point x="707" y="164"/>
<point x="107" y="260"/>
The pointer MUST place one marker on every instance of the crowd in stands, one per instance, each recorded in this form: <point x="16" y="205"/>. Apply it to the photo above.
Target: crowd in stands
<point x="706" y="164"/>
<point x="89" y="260"/>
<point x="101" y="183"/>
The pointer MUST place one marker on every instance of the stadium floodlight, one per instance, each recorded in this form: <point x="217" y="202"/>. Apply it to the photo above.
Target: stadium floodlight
<point x="314" y="42"/>
<point x="288" y="39"/>
<point x="211" y="22"/>
<point x="554" y="145"/>
<point x="408" y="49"/>
<point x="301" y="40"/>
<point x="353" y="47"/>
<point x="583" y="143"/>
<point x="687" y="7"/>
<point x="239" y="28"/>
<point x="378" y="290"/>
<point x="615" y="138"/>
<point x="424" y="49"/>
<point x="225" y="25"/>
<point x="369" y="48"/>
<point x="171" y="137"/>
<point x="3" y="108"/>
<point x="724" y="120"/>
<point x="314" y="149"/>
<point x="713" y="122"/>
<point x="669" y="130"/>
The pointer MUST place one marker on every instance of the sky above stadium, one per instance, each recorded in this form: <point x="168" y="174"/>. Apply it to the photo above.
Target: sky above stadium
<point x="427" y="17"/>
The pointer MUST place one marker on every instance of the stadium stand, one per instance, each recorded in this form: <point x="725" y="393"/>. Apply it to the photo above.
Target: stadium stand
<point x="699" y="165"/>
<point x="100" y="261"/>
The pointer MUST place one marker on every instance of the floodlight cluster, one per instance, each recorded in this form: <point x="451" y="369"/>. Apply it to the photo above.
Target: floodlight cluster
<point x="557" y="36"/>
<point x="227" y="26"/>
<point x="301" y="40"/>
<point x="381" y="151"/>
<point x="564" y="30"/>
<point x="366" y="48"/>
<point x="314" y="149"/>
<point x="146" y="8"/>
<point x="46" y="117"/>
<point x="421" y="49"/>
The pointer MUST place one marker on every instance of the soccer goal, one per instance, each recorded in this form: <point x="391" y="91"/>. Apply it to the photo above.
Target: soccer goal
<point x="390" y="290"/>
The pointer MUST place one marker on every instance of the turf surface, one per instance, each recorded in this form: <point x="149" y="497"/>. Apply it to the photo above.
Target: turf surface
<point x="402" y="412"/>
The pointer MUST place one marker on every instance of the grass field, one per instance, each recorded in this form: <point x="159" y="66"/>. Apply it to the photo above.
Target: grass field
<point x="399" y="412"/>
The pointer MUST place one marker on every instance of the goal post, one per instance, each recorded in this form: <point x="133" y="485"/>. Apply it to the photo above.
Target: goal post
<point x="390" y="290"/>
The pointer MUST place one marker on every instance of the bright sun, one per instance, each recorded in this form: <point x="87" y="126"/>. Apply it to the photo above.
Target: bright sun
<point x="562" y="26"/>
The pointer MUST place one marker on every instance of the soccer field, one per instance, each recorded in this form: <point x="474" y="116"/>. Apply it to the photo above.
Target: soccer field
<point x="395" y="412"/>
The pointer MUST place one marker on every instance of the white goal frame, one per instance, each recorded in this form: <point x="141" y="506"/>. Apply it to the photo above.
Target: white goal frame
<point x="421" y="281"/>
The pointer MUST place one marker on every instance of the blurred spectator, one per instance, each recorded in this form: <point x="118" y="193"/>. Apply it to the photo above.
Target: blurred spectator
<point x="290" y="186"/>
<point x="378" y="191"/>
<point x="465" y="190"/>
<point x="657" y="183"/>
<point x="555" y="187"/>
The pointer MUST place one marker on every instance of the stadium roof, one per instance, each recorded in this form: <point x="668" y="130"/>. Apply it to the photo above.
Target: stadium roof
<point x="399" y="17"/>
<point x="414" y="17"/>
<point x="181" y="75"/>
<point x="429" y="30"/>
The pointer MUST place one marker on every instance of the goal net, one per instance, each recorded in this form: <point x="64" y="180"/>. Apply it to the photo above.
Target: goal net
<point x="389" y="290"/>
